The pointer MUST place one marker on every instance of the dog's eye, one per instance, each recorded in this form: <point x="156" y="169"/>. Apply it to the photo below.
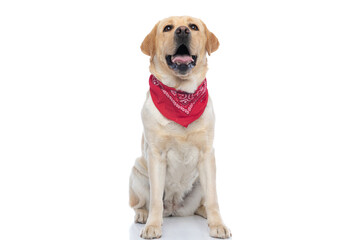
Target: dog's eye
<point x="194" y="27"/>
<point x="168" y="28"/>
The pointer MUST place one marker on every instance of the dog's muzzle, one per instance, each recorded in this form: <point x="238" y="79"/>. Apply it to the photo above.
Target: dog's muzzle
<point x="182" y="61"/>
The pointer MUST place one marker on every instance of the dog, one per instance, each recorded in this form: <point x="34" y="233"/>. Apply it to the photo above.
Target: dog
<point x="175" y="176"/>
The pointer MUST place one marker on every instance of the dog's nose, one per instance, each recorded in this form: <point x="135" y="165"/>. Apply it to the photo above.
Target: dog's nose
<point x="182" y="31"/>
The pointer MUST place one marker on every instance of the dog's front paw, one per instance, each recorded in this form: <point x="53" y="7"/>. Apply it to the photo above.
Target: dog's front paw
<point x="151" y="231"/>
<point x="219" y="231"/>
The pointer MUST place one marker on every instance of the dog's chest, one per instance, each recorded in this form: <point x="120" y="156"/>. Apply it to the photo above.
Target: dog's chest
<point x="181" y="172"/>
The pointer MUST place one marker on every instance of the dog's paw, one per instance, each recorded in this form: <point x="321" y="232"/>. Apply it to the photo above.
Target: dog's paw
<point x="151" y="231"/>
<point x="141" y="215"/>
<point x="219" y="231"/>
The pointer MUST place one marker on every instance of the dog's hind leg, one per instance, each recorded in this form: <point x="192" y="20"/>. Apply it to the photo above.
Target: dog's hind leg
<point x="139" y="194"/>
<point x="191" y="201"/>
<point x="201" y="211"/>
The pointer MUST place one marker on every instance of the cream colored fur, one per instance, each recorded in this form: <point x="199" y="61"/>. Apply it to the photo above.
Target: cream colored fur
<point x="175" y="176"/>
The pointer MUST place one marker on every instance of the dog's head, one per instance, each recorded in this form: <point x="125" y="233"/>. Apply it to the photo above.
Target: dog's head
<point x="178" y="45"/>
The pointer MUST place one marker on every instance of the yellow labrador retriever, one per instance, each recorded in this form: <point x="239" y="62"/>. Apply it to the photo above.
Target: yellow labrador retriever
<point x="175" y="176"/>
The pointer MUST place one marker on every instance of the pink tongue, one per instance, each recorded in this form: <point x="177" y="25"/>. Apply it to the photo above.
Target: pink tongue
<point x="182" y="59"/>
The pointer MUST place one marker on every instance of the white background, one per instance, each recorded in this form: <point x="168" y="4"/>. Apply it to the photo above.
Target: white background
<point x="285" y="86"/>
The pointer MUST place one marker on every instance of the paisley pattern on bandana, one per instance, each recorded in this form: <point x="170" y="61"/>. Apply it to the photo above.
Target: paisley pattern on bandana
<point x="178" y="106"/>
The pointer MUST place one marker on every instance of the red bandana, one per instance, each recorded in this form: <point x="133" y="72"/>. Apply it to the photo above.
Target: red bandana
<point x="178" y="106"/>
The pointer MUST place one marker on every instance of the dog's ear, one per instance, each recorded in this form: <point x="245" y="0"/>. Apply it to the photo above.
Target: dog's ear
<point x="212" y="43"/>
<point x="148" y="45"/>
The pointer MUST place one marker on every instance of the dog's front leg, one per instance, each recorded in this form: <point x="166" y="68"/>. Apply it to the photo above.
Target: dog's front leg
<point x="157" y="172"/>
<point x="207" y="170"/>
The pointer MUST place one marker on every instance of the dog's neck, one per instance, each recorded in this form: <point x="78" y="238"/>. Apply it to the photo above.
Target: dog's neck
<point x="187" y="83"/>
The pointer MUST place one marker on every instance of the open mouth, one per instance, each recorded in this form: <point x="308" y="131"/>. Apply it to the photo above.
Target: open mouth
<point x="181" y="60"/>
